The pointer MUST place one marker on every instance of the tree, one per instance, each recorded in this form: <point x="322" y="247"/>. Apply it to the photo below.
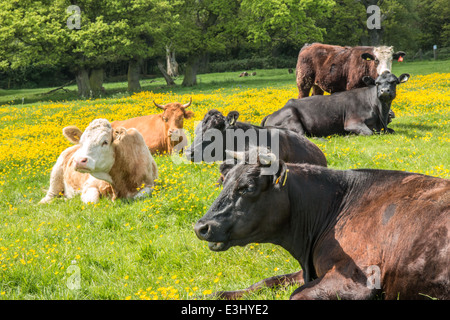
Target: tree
<point x="203" y="27"/>
<point x="27" y="34"/>
<point x="42" y="33"/>
<point x="346" y="25"/>
<point x="271" y="23"/>
<point x="434" y="23"/>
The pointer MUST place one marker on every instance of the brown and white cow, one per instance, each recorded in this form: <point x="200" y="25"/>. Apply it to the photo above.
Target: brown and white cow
<point x="357" y="234"/>
<point x="331" y="68"/>
<point x="103" y="162"/>
<point x="163" y="133"/>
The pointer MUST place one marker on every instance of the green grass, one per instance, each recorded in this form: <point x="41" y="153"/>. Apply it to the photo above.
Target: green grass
<point x="146" y="248"/>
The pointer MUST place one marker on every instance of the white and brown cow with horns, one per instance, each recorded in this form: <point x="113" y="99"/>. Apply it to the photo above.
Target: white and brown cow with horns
<point x="103" y="162"/>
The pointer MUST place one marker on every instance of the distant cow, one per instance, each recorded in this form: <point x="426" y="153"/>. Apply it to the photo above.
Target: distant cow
<point x="239" y="136"/>
<point x="357" y="234"/>
<point x="333" y="69"/>
<point x="104" y="162"/>
<point x="163" y="133"/>
<point x="244" y="74"/>
<point x="360" y="111"/>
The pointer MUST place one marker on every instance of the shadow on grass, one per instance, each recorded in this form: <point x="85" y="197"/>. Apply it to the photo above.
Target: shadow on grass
<point x="407" y="129"/>
<point x="205" y="82"/>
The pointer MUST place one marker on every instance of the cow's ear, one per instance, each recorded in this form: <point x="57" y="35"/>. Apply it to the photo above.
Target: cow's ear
<point x="280" y="178"/>
<point x="73" y="134"/>
<point x="403" y="78"/>
<point x="119" y="134"/>
<point x="367" y="56"/>
<point x="398" y="54"/>
<point x="232" y="118"/>
<point x="188" y="114"/>
<point x="369" y="81"/>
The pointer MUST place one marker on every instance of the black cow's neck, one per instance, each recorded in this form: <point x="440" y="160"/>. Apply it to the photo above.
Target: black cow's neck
<point x="384" y="112"/>
<point x="316" y="197"/>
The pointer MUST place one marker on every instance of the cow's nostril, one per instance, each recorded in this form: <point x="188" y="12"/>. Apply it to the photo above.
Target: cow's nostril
<point x="84" y="160"/>
<point x="202" y="230"/>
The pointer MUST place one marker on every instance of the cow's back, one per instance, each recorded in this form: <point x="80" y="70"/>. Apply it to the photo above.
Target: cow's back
<point x="134" y="165"/>
<point x="296" y="148"/>
<point x="399" y="223"/>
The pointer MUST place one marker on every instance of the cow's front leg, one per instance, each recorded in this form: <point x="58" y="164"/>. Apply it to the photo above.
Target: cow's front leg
<point x="56" y="181"/>
<point x="90" y="194"/>
<point x="359" y="128"/>
<point x="335" y="285"/>
<point x="272" y="282"/>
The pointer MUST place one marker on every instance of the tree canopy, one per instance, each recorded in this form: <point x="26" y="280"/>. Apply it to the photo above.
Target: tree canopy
<point x="41" y="33"/>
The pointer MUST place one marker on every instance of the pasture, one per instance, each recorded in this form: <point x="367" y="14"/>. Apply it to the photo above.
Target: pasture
<point x="147" y="249"/>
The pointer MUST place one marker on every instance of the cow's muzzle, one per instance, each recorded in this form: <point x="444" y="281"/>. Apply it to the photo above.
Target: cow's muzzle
<point x="82" y="164"/>
<point x="204" y="232"/>
<point x="175" y="134"/>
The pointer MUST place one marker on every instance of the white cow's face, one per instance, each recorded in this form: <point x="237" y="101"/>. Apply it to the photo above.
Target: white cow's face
<point x="383" y="58"/>
<point x="96" y="154"/>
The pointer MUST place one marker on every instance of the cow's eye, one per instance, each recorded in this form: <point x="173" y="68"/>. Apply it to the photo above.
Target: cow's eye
<point x="105" y="143"/>
<point x="246" y="189"/>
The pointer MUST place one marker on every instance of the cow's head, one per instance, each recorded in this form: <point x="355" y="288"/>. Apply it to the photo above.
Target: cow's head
<point x="252" y="207"/>
<point x="386" y="84"/>
<point x="382" y="56"/>
<point x="213" y="119"/>
<point x="173" y="116"/>
<point x="96" y="154"/>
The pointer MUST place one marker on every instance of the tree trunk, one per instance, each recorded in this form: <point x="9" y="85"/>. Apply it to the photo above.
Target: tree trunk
<point x="84" y="87"/>
<point x="134" y="75"/>
<point x="96" y="82"/>
<point x="171" y="62"/>
<point x="375" y="36"/>
<point x="375" y="18"/>
<point x="168" y="78"/>
<point x="190" y="73"/>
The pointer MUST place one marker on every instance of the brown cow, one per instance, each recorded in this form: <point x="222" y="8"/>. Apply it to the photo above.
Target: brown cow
<point x="357" y="234"/>
<point x="103" y="162"/>
<point x="330" y="68"/>
<point x="163" y="133"/>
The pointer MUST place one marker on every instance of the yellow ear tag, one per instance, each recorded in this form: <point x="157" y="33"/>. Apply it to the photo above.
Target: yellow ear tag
<point x="278" y="179"/>
<point x="285" y="177"/>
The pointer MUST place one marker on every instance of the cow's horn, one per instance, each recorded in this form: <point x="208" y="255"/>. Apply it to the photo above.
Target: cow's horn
<point x="235" y="154"/>
<point x="159" y="105"/>
<point x="267" y="158"/>
<point x="187" y="104"/>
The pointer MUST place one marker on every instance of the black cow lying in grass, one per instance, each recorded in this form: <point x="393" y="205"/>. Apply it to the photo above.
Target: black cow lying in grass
<point x="357" y="234"/>
<point x="217" y="133"/>
<point x="361" y="111"/>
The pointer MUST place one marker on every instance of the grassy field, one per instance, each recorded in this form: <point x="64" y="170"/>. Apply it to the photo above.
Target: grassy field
<point x="147" y="249"/>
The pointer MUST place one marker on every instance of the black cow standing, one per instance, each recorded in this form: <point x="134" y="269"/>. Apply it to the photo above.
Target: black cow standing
<point x="291" y="146"/>
<point x="361" y="111"/>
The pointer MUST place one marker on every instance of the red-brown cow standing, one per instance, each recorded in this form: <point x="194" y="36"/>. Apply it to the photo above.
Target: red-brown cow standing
<point x="331" y="68"/>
